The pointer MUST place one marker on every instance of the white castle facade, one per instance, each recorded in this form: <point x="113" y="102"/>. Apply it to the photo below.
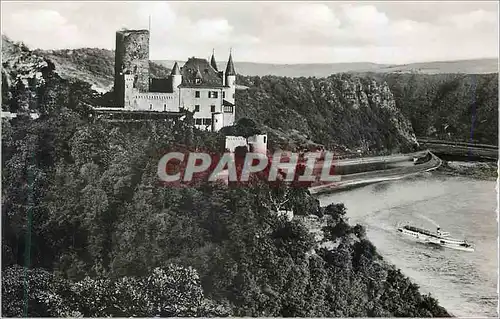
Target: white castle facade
<point x="198" y="86"/>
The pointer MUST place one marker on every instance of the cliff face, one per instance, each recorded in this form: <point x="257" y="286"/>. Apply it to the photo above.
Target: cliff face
<point x="18" y="62"/>
<point x="448" y="106"/>
<point x="339" y="111"/>
<point x="23" y="74"/>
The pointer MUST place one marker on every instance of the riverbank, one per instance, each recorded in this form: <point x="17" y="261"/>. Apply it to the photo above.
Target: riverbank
<point x="478" y="170"/>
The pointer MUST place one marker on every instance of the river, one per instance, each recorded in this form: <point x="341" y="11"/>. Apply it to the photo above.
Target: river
<point x="465" y="283"/>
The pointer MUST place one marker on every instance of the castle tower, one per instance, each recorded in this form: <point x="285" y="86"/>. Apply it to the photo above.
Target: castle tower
<point x="131" y="56"/>
<point x="230" y="82"/>
<point x="176" y="77"/>
<point x="228" y="103"/>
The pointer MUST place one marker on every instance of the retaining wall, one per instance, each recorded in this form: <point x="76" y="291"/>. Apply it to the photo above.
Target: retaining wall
<point x="377" y="176"/>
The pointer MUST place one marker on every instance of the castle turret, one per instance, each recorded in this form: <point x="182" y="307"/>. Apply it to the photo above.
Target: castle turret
<point x="230" y="80"/>
<point x="213" y="63"/>
<point x="230" y="73"/>
<point x="176" y="77"/>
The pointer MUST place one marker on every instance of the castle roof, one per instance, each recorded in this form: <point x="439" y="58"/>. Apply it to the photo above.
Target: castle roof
<point x="226" y="103"/>
<point x="230" y="66"/>
<point x="175" y="70"/>
<point x="213" y="63"/>
<point x="198" y="73"/>
<point x="161" y="85"/>
<point x="199" y="67"/>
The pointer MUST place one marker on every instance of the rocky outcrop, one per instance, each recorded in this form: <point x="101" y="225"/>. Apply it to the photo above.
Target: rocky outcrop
<point x="23" y="73"/>
<point x="338" y="111"/>
<point x="448" y="106"/>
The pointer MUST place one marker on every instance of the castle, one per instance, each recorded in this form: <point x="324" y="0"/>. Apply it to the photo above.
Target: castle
<point x="198" y="86"/>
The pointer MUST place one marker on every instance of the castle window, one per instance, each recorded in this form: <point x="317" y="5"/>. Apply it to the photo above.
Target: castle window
<point x="164" y="107"/>
<point x="265" y="139"/>
<point x="209" y="94"/>
<point x="196" y="108"/>
<point x="196" y="93"/>
<point x="215" y="94"/>
<point x="150" y="106"/>
<point x="197" y="121"/>
<point x="223" y="95"/>
<point x="228" y="109"/>
<point x="233" y="95"/>
<point x="207" y="121"/>
<point x="212" y="108"/>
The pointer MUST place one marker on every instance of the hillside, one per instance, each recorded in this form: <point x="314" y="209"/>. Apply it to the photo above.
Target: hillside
<point x="448" y="106"/>
<point x="95" y="66"/>
<point x="479" y="66"/>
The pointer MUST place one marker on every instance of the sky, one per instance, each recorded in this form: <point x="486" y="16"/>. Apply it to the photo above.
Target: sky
<point x="267" y="32"/>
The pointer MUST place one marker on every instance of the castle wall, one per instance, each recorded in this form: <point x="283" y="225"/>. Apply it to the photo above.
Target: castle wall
<point x="159" y="102"/>
<point x="228" y="118"/>
<point x="258" y="143"/>
<point x="217" y="121"/>
<point x="232" y="142"/>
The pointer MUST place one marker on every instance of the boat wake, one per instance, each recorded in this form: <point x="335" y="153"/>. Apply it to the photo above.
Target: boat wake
<point x="429" y="220"/>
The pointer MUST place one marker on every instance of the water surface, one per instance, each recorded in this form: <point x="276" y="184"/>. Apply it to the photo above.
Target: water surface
<point x="465" y="283"/>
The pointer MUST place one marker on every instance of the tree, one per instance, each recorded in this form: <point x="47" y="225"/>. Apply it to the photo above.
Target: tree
<point x="43" y="290"/>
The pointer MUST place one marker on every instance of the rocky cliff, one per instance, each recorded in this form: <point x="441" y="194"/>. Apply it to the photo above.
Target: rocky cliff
<point x="448" y="106"/>
<point x="23" y="74"/>
<point x="341" y="112"/>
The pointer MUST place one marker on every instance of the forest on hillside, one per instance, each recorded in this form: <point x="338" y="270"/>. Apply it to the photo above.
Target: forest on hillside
<point x="83" y="210"/>
<point x="459" y="107"/>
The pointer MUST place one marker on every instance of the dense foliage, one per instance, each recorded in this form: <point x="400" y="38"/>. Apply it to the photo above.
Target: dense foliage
<point x="169" y="292"/>
<point x="83" y="208"/>
<point x="448" y="106"/>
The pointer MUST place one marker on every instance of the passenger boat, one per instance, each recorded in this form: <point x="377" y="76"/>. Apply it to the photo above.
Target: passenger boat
<point x="438" y="238"/>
